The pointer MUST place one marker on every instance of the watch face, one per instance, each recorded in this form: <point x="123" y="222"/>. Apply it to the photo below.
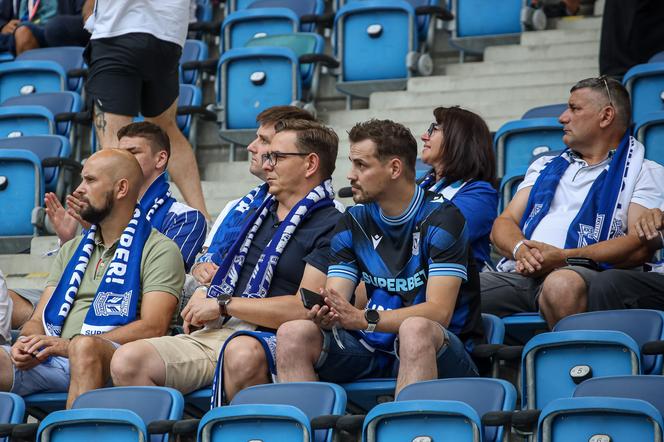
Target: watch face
<point x="372" y="316"/>
<point x="224" y="298"/>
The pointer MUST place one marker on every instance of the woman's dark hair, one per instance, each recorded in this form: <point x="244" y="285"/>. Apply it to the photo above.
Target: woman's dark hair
<point x="467" y="149"/>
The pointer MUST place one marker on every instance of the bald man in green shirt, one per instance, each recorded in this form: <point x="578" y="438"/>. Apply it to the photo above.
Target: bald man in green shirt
<point x="73" y="354"/>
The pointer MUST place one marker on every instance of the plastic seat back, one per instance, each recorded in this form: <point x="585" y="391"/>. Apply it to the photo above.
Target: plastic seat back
<point x="422" y="420"/>
<point x="21" y="189"/>
<point x="646" y="387"/>
<point x="19" y="121"/>
<point x="645" y="84"/>
<point x="92" y="424"/>
<point x="149" y="403"/>
<point x="548" y="111"/>
<point x="640" y="324"/>
<point x="43" y="146"/>
<point x="190" y="95"/>
<point x="68" y="57"/>
<point x="657" y="58"/>
<point x="30" y="77"/>
<point x="254" y="79"/>
<point x="484" y="18"/>
<point x="553" y="363"/>
<point x="598" y="420"/>
<point x="650" y="132"/>
<point x="300" y="43"/>
<point x="312" y="398"/>
<point x="482" y="394"/>
<point x="12" y="409"/>
<point x="56" y="102"/>
<point x="194" y="50"/>
<point x="301" y="8"/>
<point x="494" y="329"/>
<point x="241" y="26"/>
<point x="518" y="141"/>
<point x="256" y="422"/>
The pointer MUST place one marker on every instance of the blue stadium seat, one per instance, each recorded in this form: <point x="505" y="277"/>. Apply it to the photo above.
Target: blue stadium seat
<point x="650" y="131"/>
<point x="18" y="121"/>
<point x="58" y="103"/>
<point x="306" y="10"/>
<point x="645" y="84"/>
<point x="197" y="403"/>
<point x="29" y="77"/>
<point x="548" y="111"/>
<point x="204" y="11"/>
<point x="21" y="189"/>
<point x="362" y="32"/>
<point x="312" y="398"/>
<point x="92" y="424"/>
<point x="241" y="26"/>
<point x="523" y="326"/>
<point x="366" y="393"/>
<point x="44" y="146"/>
<point x="442" y="421"/>
<point x="265" y="423"/>
<point x="642" y="325"/>
<point x="194" y="50"/>
<point x="553" y="363"/>
<point x="645" y="387"/>
<point x="12" y="409"/>
<point x="518" y="141"/>
<point x="599" y="419"/>
<point x="657" y="58"/>
<point x="475" y="20"/>
<point x="235" y="5"/>
<point x="482" y="394"/>
<point x="70" y="58"/>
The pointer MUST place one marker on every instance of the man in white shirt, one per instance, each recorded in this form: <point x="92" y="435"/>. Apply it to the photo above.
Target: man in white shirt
<point x="575" y="206"/>
<point x="133" y="58"/>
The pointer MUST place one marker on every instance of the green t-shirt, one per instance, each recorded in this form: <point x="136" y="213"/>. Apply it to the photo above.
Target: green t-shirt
<point x="161" y="270"/>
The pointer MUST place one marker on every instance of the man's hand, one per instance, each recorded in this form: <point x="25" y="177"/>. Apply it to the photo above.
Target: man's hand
<point x="63" y="222"/>
<point x="204" y="272"/>
<point x="650" y="223"/>
<point x="528" y="258"/>
<point x="200" y="309"/>
<point x="343" y="311"/>
<point x="10" y="27"/>
<point x="20" y="356"/>
<point x="322" y="317"/>
<point x="551" y="259"/>
<point x="29" y="351"/>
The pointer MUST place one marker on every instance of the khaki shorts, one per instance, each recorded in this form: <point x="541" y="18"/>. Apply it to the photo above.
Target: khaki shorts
<point x="191" y="359"/>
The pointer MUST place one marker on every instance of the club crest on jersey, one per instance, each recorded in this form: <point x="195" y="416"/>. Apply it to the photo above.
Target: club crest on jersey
<point x="112" y="304"/>
<point x="416" y="244"/>
<point x="376" y="239"/>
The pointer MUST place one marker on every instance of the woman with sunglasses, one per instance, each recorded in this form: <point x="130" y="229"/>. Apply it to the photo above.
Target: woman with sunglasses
<point x="459" y="149"/>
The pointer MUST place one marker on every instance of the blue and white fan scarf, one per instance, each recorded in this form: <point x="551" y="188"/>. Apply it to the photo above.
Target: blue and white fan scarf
<point x="116" y="301"/>
<point x="157" y="201"/>
<point x="258" y="286"/>
<point x="601" y="215"/>
<point x="442" y="187"/>
<point x="228" y="231"/>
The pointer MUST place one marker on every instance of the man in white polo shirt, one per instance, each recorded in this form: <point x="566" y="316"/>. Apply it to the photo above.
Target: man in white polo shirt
<point x="575" y="210"/>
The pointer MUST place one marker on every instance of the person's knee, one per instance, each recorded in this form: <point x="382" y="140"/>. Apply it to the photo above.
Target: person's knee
<point x="244" y="358"/>
<point x="417" y="335"/>
<point x="296" y="338"/>
<point x="563" y="291"/>
<point x="24" y="40"/>
<point x="84" y="350"/>
<point x="128" y="362"/>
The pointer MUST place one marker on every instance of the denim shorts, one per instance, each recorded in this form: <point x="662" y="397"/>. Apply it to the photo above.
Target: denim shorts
<point x="358" y="360"/>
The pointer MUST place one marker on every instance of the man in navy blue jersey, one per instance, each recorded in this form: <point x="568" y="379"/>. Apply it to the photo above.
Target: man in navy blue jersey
<point x="411" y="249"/>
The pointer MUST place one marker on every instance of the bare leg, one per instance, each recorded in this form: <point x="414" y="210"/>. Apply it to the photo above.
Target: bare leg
<point x="244" y="365"/>
<point x="564" y="293"/>
<point x="89" y="365"/>
<point x="419" y="341"/>
<point x="182" y="165"/>
<point x="138" y="363"/>
<point x="24" y="40"/>
<point x="107" y="126"/>
<point x="22" y="310"/>
<point x="300" y="345"/>
<point x="6" y="371"/>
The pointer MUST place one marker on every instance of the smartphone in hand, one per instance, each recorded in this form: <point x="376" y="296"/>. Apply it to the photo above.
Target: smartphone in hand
<point x="311" y="298"/>
<point x="583" y="262"/>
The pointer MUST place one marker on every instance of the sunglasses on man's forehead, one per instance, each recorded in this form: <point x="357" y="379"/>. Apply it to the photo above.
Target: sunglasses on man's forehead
<point x="606" y="86"/>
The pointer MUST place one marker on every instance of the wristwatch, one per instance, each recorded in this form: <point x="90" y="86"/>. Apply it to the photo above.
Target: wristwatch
<point x="223" y="300"/>
<point x="372" y="317"/>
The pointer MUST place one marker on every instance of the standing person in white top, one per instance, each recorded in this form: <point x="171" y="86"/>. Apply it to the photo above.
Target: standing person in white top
<point x="575" y="210"/>
<point x="6" y="305"/>
<point x="133" y="58"/>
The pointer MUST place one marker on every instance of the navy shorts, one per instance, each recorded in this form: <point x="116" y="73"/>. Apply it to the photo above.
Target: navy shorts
<point x="357" y="360"/>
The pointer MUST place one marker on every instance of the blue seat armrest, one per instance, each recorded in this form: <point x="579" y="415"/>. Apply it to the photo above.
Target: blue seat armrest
<point x="497" y="418"/>
<point x="75" y="73"/>
<point x="525" y="420"/>
<point x="25" y="431"/>
<point x="653" y="348"/>
<point x="6" y="429"/>
<point x="84" y="117"/>
<point x="486" y="351"/>
<point x="323" y="59"/>
<point x="325" y="421"/>
<point x="67" y="163"/>
<point x="325" y="20"/>
<point x="436" y="11"/>
<point x="206" y="27"/>
<point x="186" y="426"/>
<point x="161" y="426"/>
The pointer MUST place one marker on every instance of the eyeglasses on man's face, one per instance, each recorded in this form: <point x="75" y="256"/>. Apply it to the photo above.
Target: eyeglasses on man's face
<point x="432" y="127"/>
<point x="273" y="157"/>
